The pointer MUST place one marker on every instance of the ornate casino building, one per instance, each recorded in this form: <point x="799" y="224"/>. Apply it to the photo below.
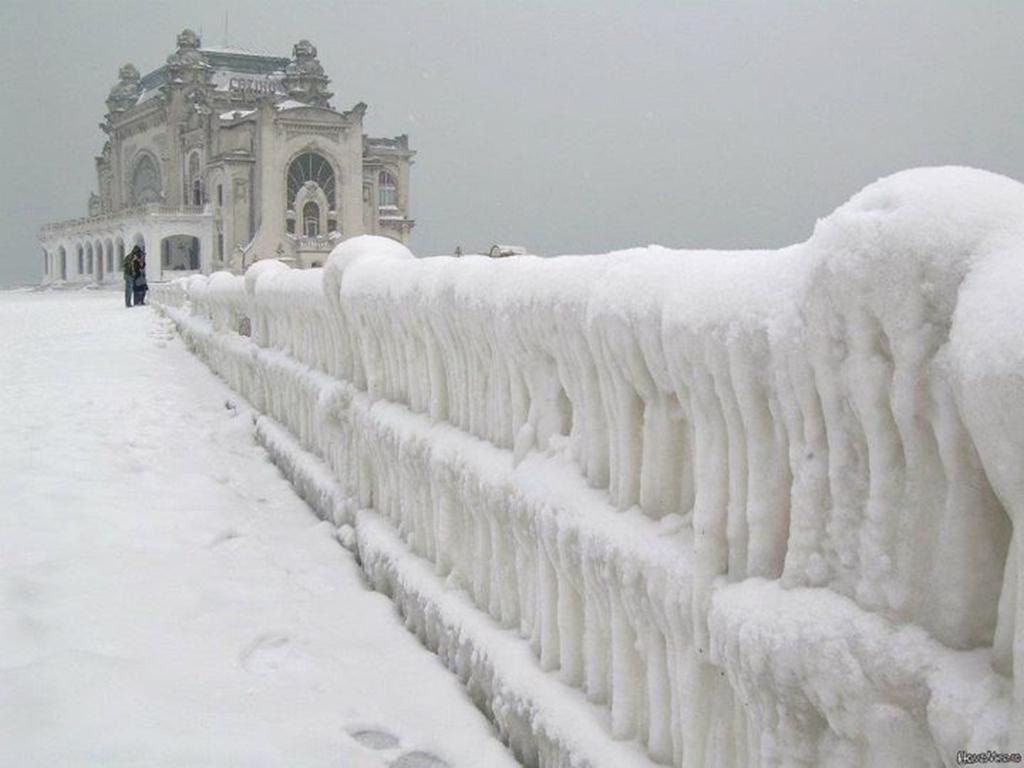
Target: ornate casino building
<point x="222" y="157"/>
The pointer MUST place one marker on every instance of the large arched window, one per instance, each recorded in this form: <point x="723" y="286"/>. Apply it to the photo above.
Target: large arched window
<point x="311" y="219"/>
<point x="310" y="166"/>
<point x="311" y="180"/>
<point x="145" y="185"/>
<point x="387" y="190"/>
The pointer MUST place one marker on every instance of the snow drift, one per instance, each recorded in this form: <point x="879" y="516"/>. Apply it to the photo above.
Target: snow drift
<point x="761" y="505"/>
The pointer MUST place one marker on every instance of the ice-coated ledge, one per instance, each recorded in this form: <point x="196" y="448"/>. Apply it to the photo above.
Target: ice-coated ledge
<point x="759" y="505"/>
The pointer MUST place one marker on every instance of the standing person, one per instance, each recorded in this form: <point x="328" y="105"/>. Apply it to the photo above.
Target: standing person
<point x="128" y="268"/>
<point x="139" y="286"/>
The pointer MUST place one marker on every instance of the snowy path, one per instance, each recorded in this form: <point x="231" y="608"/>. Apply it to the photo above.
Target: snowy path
<point x="165" y="598"/>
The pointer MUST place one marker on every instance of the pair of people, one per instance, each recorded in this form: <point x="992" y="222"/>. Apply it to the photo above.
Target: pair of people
<point x="134" y="268"/>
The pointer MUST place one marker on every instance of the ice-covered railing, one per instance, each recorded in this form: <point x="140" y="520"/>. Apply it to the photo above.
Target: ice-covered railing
<point x="168" y="294"/>
<point x="816" y="456"/>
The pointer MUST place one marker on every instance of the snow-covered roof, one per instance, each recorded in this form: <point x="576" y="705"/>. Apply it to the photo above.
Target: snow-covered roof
<point x="289" y="104"/>
<point x="236" y="51"/>
<point x="236" y="114"/>
<point x="147" y="95"/>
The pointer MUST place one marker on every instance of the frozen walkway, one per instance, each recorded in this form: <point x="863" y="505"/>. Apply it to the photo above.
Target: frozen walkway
<point x="165" y="598"/>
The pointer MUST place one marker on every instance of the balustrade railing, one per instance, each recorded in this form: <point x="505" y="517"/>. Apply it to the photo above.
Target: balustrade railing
<point x="774" y="493"/>
<point x="317" y="243"/>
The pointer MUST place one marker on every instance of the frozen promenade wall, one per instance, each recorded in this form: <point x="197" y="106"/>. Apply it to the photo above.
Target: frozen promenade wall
<point x="762" y="507"/>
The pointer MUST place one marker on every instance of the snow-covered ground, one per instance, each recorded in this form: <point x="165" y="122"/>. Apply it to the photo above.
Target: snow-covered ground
<point x="165" y="597"/>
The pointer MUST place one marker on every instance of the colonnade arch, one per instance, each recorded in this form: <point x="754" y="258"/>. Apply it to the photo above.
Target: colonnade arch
<point x="179" y="253"/>
<point x="92" y="257"/>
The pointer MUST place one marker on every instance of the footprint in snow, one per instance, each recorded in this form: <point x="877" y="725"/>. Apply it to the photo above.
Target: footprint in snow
<point x="373" y="739"/>
<point x="418" y="759"/>
<point x="223" y="536"/>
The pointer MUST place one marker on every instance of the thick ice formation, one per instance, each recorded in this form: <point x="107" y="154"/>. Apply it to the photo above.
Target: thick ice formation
<point x="760" y="505"/>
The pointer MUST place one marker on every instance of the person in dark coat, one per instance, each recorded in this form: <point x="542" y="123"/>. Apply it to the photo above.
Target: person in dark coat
<point x="139" y="286"/>
<point x="128" y="268"/>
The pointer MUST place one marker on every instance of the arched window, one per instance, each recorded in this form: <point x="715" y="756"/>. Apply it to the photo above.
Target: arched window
<point x="311" y="219"/>
<point x="145" y="185"/>
<point x="387" y="190"/>
<point x="310" y="166"/>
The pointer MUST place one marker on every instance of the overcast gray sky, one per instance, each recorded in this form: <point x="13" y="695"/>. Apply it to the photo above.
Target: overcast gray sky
<point x="563" y="126"/>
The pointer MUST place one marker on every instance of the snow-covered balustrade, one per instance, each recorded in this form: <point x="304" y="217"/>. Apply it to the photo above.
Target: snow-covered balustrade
<point x="168" y="294"/>
<point x="761" y="505"/>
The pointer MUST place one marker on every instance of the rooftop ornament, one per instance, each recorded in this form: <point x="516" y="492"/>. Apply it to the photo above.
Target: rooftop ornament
<point x="304" y="78"/>
<point x="188" y="64"/>
<point x="126" y="92"/>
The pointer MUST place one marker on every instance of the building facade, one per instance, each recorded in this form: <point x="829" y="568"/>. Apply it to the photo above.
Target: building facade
<point x="222" y="157"/>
